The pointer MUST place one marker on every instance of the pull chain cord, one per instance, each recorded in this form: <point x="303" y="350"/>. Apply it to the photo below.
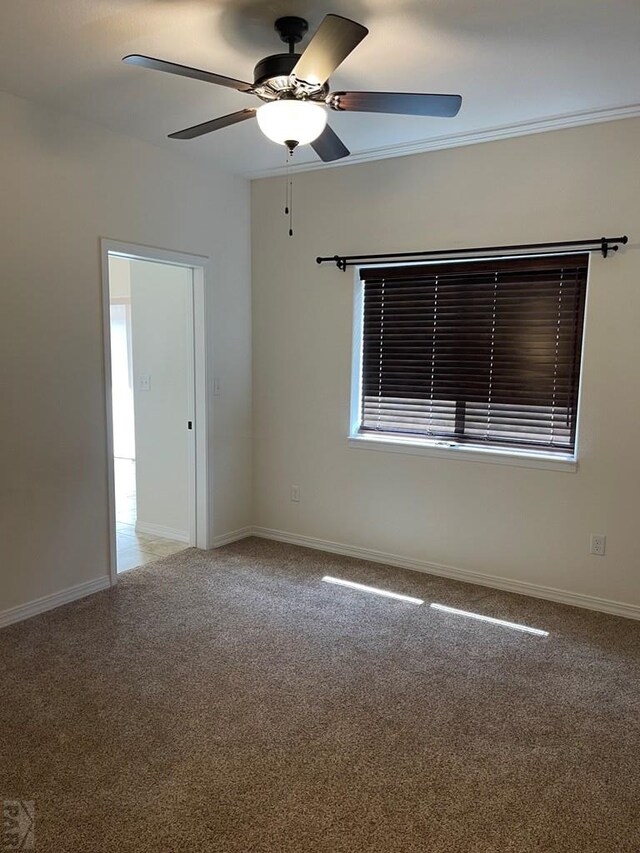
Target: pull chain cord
<point x="288" y="199"/>
<point x="290" y="207"/>
<point x="286" y="186"/>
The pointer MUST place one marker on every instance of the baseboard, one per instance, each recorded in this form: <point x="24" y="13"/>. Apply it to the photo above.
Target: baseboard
<point x="232" y="536"/>
<point x="48" y="602"/>
<point x="162" y="531"/>
<point x="603" y="605"/>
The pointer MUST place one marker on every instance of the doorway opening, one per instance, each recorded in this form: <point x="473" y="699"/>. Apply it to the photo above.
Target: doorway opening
<point x="156" y="412"/>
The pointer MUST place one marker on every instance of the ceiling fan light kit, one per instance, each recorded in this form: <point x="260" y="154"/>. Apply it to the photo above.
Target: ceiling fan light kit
<point x="292" y="122"/>
<point x="295" y="89"/>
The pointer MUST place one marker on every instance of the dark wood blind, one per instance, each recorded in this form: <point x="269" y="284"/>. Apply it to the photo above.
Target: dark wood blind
<point x="483" y="352"/>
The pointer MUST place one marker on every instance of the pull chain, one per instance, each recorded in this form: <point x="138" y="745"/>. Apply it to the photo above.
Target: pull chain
<point x="286" y="188"/>
<point x="288" y="196"/>
<point x="290" y="207"/>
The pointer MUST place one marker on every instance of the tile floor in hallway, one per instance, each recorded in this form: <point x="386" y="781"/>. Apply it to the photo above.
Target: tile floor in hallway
<point x="135" y="549"/>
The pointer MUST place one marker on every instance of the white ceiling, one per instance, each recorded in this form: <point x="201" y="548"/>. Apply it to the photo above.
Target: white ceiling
<point x="514" y="62"/>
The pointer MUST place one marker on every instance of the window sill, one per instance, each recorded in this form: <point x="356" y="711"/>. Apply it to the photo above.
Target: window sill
<point x="416" y="447"/>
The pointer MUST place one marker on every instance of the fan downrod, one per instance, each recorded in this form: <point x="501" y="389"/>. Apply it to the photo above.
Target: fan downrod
<point x="291" y="30"/>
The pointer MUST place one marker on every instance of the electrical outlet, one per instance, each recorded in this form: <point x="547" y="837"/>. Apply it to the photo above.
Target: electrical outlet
<point x="216" y="386"/>
<point x="145" y="383"/>
<point x="598" y="544"/>
<point x="295" y="494"/>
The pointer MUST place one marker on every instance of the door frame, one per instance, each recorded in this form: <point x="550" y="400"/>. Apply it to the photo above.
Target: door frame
<point x="199" y="402"/>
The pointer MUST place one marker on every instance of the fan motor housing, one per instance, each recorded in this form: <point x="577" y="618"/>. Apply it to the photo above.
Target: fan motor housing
<point x="272" y="79"/>
<point x="272" y="67"/>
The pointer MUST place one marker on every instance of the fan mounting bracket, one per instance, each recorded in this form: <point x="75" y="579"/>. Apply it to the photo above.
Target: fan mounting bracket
<point x="291" y="29"/>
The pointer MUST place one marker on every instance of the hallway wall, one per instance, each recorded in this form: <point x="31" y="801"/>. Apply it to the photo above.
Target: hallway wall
<point x="159" y="316"/>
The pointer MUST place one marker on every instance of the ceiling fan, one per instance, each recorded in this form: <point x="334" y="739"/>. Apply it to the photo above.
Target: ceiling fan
<point x="295" y="89"/>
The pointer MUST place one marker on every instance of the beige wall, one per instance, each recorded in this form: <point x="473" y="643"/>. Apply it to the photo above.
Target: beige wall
<point x="522" y="524"/>
<point x="66" y="183"/>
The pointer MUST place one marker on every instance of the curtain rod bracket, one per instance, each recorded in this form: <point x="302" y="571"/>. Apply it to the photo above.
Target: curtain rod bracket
<point x="602" y="244"/>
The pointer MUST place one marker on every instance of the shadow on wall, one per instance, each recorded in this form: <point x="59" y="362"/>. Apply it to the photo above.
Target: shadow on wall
<point x="49" y="131"/>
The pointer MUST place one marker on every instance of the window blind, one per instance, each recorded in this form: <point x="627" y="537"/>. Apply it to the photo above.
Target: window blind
<point x="479" y="352"/>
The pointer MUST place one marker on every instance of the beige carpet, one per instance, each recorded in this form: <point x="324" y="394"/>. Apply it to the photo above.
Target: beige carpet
<point x="231" y="701"/>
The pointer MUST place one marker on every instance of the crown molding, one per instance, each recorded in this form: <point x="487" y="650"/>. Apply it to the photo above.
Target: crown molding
<point x="472" y="137"/>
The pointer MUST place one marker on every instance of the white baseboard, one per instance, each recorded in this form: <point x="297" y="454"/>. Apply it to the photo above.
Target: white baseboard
<point x="162" y="531"/>
<point x="603" y="605"/>
<point x="232" y="536"/>
<point x="48" y="602"/>
<point x="615" y="608"/>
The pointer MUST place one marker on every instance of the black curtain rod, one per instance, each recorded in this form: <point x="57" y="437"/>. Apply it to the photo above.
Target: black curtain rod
<point x="602" y="244"/>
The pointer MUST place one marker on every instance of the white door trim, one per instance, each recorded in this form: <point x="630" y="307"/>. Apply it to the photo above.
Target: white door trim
<point x="200" y="405"/>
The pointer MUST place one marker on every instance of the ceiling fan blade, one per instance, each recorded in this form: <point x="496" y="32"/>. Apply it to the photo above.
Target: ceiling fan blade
<point x="214" y="124"/>
<point x="403" y="103"/>
<point x="332" y="42"/>
<point x="328" y="146"/>
<point x="186" y="71"/>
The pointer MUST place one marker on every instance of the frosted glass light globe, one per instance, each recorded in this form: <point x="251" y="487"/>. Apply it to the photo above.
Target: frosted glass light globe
<point x="292" y="121"/>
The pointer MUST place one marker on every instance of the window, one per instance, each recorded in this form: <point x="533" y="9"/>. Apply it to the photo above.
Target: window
<point x="476" y="354"/>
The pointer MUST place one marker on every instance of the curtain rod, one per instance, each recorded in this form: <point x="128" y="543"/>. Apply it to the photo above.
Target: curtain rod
<point x="601" y="244"/>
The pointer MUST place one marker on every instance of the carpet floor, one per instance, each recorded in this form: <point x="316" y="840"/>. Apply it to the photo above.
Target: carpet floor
<point x="231" y="702"/>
